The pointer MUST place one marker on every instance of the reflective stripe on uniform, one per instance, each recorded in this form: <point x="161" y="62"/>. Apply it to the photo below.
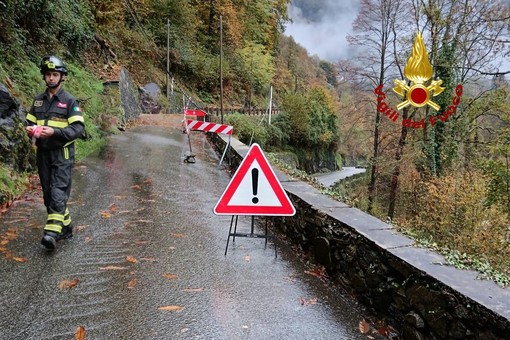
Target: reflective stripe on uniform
<point x="53" y="227"/>
<point x="31" y="118"/>
<point x="76" y="118"/>
<point x="53" y="123"/>
<point x="55" y="223"/>
<point x="56" y="217"/>
<point x="67" y="218"/>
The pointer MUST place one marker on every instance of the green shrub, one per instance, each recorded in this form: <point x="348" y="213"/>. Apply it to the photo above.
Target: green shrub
<point x="249" y="128"/>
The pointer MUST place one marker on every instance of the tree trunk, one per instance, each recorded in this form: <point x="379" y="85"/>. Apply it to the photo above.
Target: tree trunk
<point x="373" y="168"/>
<point x="396" y="172"/>
<point x="105" y="47"/>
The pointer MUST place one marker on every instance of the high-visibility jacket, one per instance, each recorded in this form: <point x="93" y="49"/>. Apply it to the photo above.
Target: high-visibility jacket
<point x="55" y="154"/>
<point x="63" y="113"/>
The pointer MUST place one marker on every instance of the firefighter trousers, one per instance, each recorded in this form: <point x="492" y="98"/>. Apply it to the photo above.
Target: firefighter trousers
<point x="55" y="173"/>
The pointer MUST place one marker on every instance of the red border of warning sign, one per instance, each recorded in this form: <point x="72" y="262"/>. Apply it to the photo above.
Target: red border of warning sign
<point x="254" y="153"/>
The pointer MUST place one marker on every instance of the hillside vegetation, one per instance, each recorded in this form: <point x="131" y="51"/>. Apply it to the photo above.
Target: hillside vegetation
<point x="95" y="38"/>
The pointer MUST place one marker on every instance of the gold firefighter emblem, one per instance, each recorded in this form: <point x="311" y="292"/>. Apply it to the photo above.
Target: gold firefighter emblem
<point x="418" y="70"/>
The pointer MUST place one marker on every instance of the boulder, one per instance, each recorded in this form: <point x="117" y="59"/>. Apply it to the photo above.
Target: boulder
<point x="149" y="98"/>
<point x="15" y="149"/>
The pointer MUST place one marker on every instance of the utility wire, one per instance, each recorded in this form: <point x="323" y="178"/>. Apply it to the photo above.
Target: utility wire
<point x="152" y="45"/>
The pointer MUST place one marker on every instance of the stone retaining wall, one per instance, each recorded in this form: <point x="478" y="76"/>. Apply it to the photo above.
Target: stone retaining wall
<point x="413" y="288"/>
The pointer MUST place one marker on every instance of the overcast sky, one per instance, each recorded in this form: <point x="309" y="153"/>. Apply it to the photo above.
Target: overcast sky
<point x="326" y="38"/>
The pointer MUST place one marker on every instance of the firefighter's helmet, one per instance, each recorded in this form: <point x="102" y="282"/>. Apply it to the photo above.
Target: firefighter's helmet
<point x="52" y="63"/>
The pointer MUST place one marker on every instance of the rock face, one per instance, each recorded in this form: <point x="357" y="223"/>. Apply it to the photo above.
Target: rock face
<point x="15" y="149"/>
<point x="149" y="98"/>
<point x="129" y="96"/>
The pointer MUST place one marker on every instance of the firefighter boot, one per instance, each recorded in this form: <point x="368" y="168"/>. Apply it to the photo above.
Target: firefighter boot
<point x="67" y="232"/>
<point x="49" y="240"/>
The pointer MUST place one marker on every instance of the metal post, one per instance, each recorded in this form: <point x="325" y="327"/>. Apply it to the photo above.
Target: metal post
<point x="168" y="63"/>
<point x="251" y="81"/>
<point x="221" y="67"/>
<point x="270" y="102"/>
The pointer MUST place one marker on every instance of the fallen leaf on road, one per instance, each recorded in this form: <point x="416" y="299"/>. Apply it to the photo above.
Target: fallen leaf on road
<point x="364" y="327"/>
<point x="17" y="220"/>
<point x="63" y="284"/>
<point x="11" y="234"/>
<point x="105" y="214"/>
<point x="169" y="276"/>
<point x="80" y="333"/>
<point x="120" y="197"/>
<point x="79" y="228"/>
<point x="307" y="302"/>
<point x="171" y="308"/>
<point x="311" y="301"/>
<point x="20" y="259"/>
<point x="112" y="268"/>
<point x="136" y="186"/>
<point x="317" y="272"/>
<point x="247" y="258"/>
<point x="88" y="239"/>
<point x="192" y="290"/>
<point x="178" y="235"/>
<point x="131" y="259"/>
<point x="148" y="259"/>
<point x="68" y="284"/>
<point x="73" y="283"/>
<point x="113" y="208"/>
<point x="140" y="243"/>
<point x="132" y="283"/>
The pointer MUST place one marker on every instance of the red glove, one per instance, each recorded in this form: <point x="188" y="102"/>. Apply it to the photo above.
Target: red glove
<point x="35" y="131"/>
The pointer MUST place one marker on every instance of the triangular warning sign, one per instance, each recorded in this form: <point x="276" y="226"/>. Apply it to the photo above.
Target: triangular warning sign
<point x="254" y="189"/>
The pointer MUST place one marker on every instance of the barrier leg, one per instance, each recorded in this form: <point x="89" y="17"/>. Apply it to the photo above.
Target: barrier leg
<point x="224" y="152"/>
<point x="230" y="232"/>
<point x="189" y="157"/>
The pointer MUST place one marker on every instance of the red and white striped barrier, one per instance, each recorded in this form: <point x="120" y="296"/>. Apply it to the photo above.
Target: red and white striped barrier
<point x="209" y="127"/>
<point x="198" y="113"/>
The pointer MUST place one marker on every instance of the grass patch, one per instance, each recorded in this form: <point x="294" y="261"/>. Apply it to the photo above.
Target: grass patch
<point x="12" y="184"/>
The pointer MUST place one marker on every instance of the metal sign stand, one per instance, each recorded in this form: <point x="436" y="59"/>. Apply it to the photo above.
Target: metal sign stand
<point x="189" y="156"/>
<point x="225" y="151"/>
<point x="252" y="234"/>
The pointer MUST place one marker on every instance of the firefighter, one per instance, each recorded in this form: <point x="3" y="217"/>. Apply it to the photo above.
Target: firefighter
<point x="54" y="122"/>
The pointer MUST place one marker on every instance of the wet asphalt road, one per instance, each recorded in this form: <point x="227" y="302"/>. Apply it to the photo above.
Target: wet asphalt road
<point x="146" y="240"/>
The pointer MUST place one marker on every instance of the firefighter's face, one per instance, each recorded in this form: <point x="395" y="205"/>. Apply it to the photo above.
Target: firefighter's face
<point x="52" y="78"/>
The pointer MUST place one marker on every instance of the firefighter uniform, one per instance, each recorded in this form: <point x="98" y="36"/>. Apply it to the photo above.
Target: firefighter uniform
<point x="55" y="154"/>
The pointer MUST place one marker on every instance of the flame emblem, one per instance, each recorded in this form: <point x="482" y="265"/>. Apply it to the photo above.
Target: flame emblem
<point x="418" y="70"/>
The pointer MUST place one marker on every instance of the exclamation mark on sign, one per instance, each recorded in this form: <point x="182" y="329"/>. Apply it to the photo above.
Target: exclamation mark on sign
<point x="255" y="184"/>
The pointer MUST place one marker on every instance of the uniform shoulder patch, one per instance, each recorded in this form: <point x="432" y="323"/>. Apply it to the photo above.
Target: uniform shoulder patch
<point x="38" y="103"/>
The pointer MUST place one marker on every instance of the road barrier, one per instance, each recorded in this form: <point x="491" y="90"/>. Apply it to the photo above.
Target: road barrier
<point x="209" y="127"/>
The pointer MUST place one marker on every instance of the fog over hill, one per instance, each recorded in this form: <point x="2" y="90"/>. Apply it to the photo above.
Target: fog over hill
<point x="322" y="26"/>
